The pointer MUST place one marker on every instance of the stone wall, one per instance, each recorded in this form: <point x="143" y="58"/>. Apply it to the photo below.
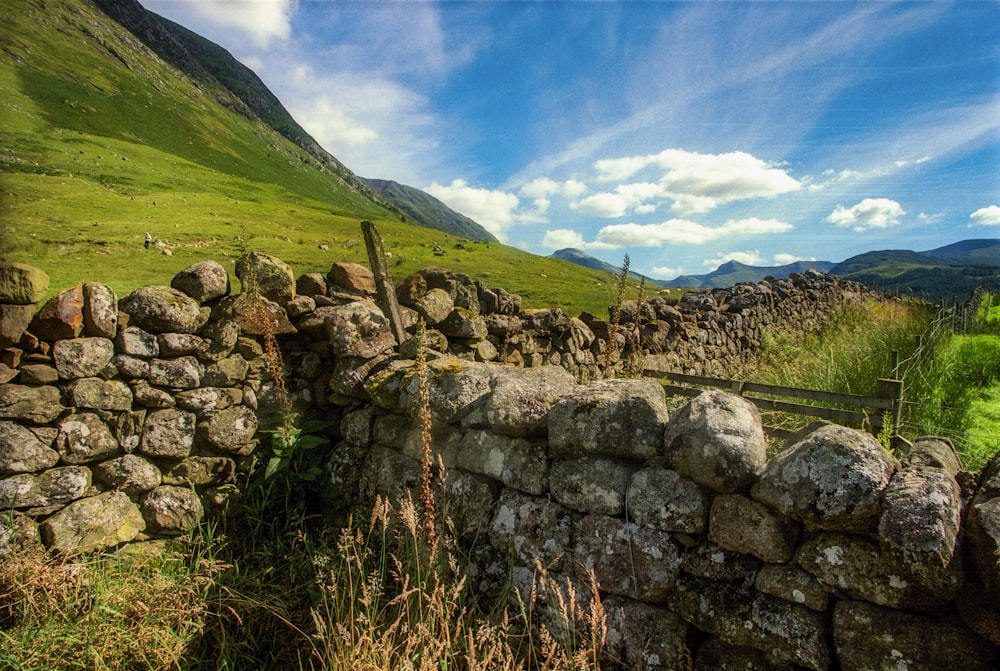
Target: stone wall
<point x="123" y="420"/>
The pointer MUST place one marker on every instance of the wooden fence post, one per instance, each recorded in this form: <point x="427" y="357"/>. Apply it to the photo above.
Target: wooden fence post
<point x="385" y="292"/>
<point x="892" y="390"/>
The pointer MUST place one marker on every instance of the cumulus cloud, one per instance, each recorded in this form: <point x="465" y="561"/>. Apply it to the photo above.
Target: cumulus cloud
<point x="683" y="231"/>
<point x="543" y="187"/>
<point x="607" y="205"/>
<point x="561" y="238"/>
<point x="701" y="182"/>
<point x="666" y="272"/>
<point x="750" y="257"/>
<point x="261" y="20"/>
<point x="785" y="259"/>
<point x="493" y="210"/>
<point x="985" y="216"/>
<point x="869" y="213"/>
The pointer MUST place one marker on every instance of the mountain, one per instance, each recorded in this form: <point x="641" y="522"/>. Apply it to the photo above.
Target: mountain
<point x="579" y="258"/>
<point x="426" y="210"/>
<point x="947" y="274"/>
<point x="733" y="272"/>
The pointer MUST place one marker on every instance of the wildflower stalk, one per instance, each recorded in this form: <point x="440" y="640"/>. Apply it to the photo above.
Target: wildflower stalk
<point x="424" y="420"/>
<point x="611" y="353"/>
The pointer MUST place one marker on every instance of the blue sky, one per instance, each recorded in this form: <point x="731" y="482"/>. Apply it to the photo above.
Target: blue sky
<point x="682" y="133"/>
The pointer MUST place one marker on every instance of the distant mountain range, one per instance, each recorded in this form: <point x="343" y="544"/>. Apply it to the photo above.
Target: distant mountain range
<point x="587" y="261"/>
<point x="426" y="210"/>
<point x="948" y="273"/>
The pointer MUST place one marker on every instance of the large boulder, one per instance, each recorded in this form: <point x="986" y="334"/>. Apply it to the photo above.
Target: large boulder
<point x="717" y="440"/>
<point x="351" y="276"/>
<point x="204" y="281"/>
<point x="662" y="498"/>
<point x="61" y="316"/>
<point x="357" y="330"/>
<point x="14" y="321"/>
<point x="160" y="309"/>
<point x="172" y="510"/>
<point x="82" y="357"/>
<point x="833" y="479"/>
<point x="93" y="523"/>
<point x="21" y="284"/>
<point x="744" y="525"/>
<point x="100" y="310"/>
<point x="617" y="417"/>
<point x="273" y="277"/>
<point x="522" y="399"/>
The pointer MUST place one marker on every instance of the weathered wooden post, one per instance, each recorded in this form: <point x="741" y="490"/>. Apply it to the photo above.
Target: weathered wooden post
<point x="385" y="292"/>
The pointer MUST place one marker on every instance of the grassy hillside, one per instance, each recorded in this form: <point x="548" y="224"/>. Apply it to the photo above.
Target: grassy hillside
<point x="102" y="141"/>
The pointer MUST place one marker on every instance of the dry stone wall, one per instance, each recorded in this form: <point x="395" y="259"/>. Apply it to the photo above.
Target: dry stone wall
<point x="133" y="418"/>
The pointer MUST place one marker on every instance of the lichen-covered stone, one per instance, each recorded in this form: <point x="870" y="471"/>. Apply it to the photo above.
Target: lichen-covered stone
<point x="792" y="583"/>
<point x="662" y="498"/>
<point x="521" y="400"/>
<point x="935" y="452"/>
<point x="530" y="529"/>
<point x="714" y="655"/>
<point x="82" y="357"/>
<point x="590" y="484"/>
<point x="357" y="330"/>
<point x="14" y="321"/>
<point x="351" y="276"/>
<point x="84" y="437"/>
<point x="100" y="310"/>
<point x="98" y="394"/>
<point x="919" y="529"/>
<point x="204" y="281"/>
<point x="833" y="479"/>
<point x="135" y="342"/>
<point x="434" y="306"/>
<point x="172" y="510"/>
<point x="168" y="432"/>
<point x="272" y="276"/>
<point x="61" y="317"/>
<point x="181" y="373"/>
<point x="93" y="523"/>
<point x="627" y="559"/>
<point x="159" y="309"/>
<point x="201" y="472"/>
<point x="708" y="560"/>
<point x="515" y="462"/>
<point x="37" y="405"/>
<point x="55" y="486"/>
<point x="463" y="323"/>
<point x="206" y="401"/>
<point x="22" y="452"/>
<point x="869" y="637"/>
<point x="616" y="417"/>
<point x="130" y="473"/>
<point x="744" y="525"/>
<point x="22" y="284"/>
<point x="717" y="440"/>
<point x="229" y="430"/>
<point x="644" y="636"/>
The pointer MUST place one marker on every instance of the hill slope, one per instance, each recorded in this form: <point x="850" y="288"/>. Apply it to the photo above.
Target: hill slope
<point x="579" y="258"/>
<point x="104" y="140"/>
<point x="733" y="272"/>
<point x="426" y="210"/>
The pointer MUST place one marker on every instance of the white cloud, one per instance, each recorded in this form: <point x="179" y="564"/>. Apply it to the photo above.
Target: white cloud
<point x="607" y="205"/>
<point x="700" y="182"/>
<point x="261" y="20"/>
<point x="785" y="259"/>
<point x="869" y="213"/>
<point x="543" y="187"/>
<point x="683" y="231"/>
<point x="562" y="238"/>
<point x="751" y="257"/>
<point x="493" y="210"/>
<point x="985" y="216"/>
<point x="666" y="272"/>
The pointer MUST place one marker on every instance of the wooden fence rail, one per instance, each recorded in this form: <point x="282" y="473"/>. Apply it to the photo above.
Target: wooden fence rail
<point x="887" y="401"/>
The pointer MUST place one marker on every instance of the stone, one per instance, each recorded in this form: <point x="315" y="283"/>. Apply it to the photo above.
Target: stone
<point x="463" y="323"/>
<point x="256" y="315"/>
<point x="61" y="317"/>
<point x="300" y="306"/>
<point x="271" y="276"/>
<point x="130" y="367"/>
<point x="434" y="306"/>
<point x="616" y="417"/>
<point x="22" y="452"/>
<point x="98" y="394"/>
<point x="869" y="637"/>
<point x="38" y="405"/>
<point x="662" y="498"/>
<point x="228" y="430"/>
<point x="228" y="372"/>
<point x="515" y="462"/>
<point x="590" y="484"/>
<point x="644" y="636"/>
<point x="919" y="528"/>
<point x="100" y="310"/>
<point x="14" y="321"/>
<point x="708" y="560"/>
<point x="794" y="584"/>
<point x="133" y="341"/>
<point x="744" y="525"/>
<point x="82" y="357"/>
<point x="738" y="616"/>
<point x="84" y="437"/>
<point x="218" y="340"/>
<point x="149" y="396"/>
<point x="129" y="473"/>
<point x="18" y="534"/>
<point x="201" y="472"/>
<point x="159" y="309"/>
<point x="172" y="510"/>
<point x="935" y="453"/>
<point x="94" y="523"/>
<point x="626" y="559"/>
<point x="521" y="400"/>
<point x="351" y="276"/>
<point x="176" y="344"/>
<point x="714" y="655"/>
<point x="22" y="284"/>
<point x="184" y="372"/>
<point x="468" y="503"/>
<point x="168" y="433"/>
<point x="53" y="487"/>
<point x="357" y="330"/>
<point x="206" y="401"/>
<point x="853" y="566"/>
<point x="530" y="529"/>
<point x="832" y="478"/>
<point x="717" y="440"/>
<point x="311" y="284"/>
<point x="204" y="281"/>
<point x="982" y="532"/>
<point x="383" y="472"/>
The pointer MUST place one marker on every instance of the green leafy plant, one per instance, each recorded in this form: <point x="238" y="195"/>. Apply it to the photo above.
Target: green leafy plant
<point x="293" y="449"/>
